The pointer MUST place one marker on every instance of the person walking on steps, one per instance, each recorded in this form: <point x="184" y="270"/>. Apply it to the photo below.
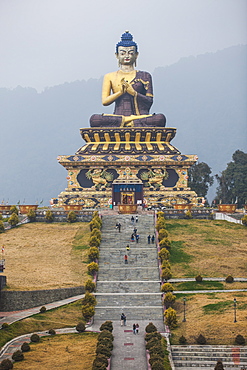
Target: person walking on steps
<point x="132" y="220"/>
<point x="123" y="317"/>
<point x="118" y="226"/>
<point x="136" y="218"/>
<point x="153" y="238"/>
<point x="137" y="328"/>
<point x="149" y="238"/>
<point x="137" y="238"/>
<point x="132" y="237"/>
<point x="134" y="328"/>
<point x="127" y="248"/>
<point x="126" y="259"/>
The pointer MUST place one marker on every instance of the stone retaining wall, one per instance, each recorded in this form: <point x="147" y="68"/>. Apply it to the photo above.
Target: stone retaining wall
<point x="21" y="300"/>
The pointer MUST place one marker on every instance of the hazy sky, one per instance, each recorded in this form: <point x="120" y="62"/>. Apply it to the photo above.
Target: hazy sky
<point x="48" y="42"/>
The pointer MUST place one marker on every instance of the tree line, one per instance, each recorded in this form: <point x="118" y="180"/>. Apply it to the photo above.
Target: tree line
<point x="232" y="182"/>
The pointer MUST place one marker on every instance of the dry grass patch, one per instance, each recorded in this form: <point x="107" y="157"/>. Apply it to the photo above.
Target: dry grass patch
<point x="46" y="256"/>
<point x="206" y="247"/>
<point x="67" y="351"/>
<point x="211" y="315"/>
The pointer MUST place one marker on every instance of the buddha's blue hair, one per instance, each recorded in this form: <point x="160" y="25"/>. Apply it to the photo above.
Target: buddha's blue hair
<point x="126" y="40"/>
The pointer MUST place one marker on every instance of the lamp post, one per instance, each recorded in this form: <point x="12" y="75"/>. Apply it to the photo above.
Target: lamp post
<point x="235" y="306"/>
<point x="184" y="299"/>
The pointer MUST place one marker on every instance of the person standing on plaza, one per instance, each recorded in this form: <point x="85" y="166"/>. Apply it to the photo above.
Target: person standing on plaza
<point x="132" y="220"/>
<point x="137" y="328"/>
<point x="137" y="238"/>
<point x="134" y="328"/>
<point x="153" y="238"/>
<point x="136" y="218"/>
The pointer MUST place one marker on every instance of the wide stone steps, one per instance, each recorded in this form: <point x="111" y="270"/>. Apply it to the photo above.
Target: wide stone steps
<point x="195" y="357"/>
<point x="130" y="273"/>
<point x="129" y="299"/>
<point x="134" y="287"/>
<point x="128" y="286"/>
<point x="136" y="313"/>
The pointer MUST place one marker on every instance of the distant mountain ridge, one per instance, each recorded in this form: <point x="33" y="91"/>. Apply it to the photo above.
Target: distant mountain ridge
<point x="204" y="97"/>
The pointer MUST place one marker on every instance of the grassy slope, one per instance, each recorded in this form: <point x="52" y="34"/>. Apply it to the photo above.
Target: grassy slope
<point x="213" y="249"/>
<point x="39" y="255"/>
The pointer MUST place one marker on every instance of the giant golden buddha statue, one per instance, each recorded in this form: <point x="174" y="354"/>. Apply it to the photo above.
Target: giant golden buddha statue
<point x="131" y="90"/>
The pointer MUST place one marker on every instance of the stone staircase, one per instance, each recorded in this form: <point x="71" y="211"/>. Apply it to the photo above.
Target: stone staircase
<point x="132" y="288"/>
<point x="198" y="356"/>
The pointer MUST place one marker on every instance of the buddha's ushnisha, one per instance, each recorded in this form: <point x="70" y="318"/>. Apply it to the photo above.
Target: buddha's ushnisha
<point x="131" y="91"/>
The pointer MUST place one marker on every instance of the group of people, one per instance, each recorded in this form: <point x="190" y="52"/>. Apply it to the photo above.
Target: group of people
<point x="151" y="239"/>
<point x="133" y="219"/>
<point x="135" y="328"/>
<point x="135" y="236"/>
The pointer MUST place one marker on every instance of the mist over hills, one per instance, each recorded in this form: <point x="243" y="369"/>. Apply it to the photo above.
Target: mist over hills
<point x="204" y="97"/>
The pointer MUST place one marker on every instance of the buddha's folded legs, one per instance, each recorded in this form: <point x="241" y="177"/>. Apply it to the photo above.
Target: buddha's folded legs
<point x="101" y="120"/>
<point x="104" y="120"/>
<point x="156" y="120"/>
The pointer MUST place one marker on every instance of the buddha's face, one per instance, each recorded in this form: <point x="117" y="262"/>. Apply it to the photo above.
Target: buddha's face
<point x="127" y="55"/>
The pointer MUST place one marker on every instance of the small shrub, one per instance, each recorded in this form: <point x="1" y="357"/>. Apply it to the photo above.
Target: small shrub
<point x="49" y="216"/>
<point x="88" y="312"/>
<point x="6" y="364"/>
<point x="160" y="224"/>
<point x="93" y="254"/>
<point x="188" y="215"/>
<point x="154" y="358"/>
<point x="94" y="225"/>
<point x="90" y="286"/>
<point x="167" y="287"/>
<point x="165" y="264"/>
<point x="153" y="342"/>
<point x="219" y="366"/>
<point x="166" y="274"/>
<point x="105" y="342"/>
<point x="92" y="268"/>
<point x="89" y="299"/>
<point x="157" y="350"/>
<point x="171" y="318"/>
<point x="103" y="350"/>
<point x="94" y="241"/>
<point x="1" y="226"/>
<point x="198" y="278"/>
<point x="80" y="327"/>
<point x="18" y="356"/>
<point x="5" y="325"/>
<point x="244" y="220"/>
<point x="165" y="243"/>
<point x="240" y="339"/>
<point x="150" y="328"/>
<point x="105" y="334"/>
<point x="107" y="325"/>
<point x="169" y="299"/>
<point x="201" y="339"/>
<point x="31" y="215"/>
<point x="25" y="347"/>
<point x="162" y="234"/>
<point x="71" y="217"/>
<point x="182" y="340"/>
<point x="35" y="338"/>
<point x="153" y="334"/>
<point x="101" y="358"/>
<point x="42" y="309"/>
<point x="51" y="332"/>
<point x="97" y="233"/>
<point x="13" y="220"/>
<point x="14" y="209"/>
<point x="229" y="279"/>
<point x="158" y="365"/>
<point x="164" y="255"/>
